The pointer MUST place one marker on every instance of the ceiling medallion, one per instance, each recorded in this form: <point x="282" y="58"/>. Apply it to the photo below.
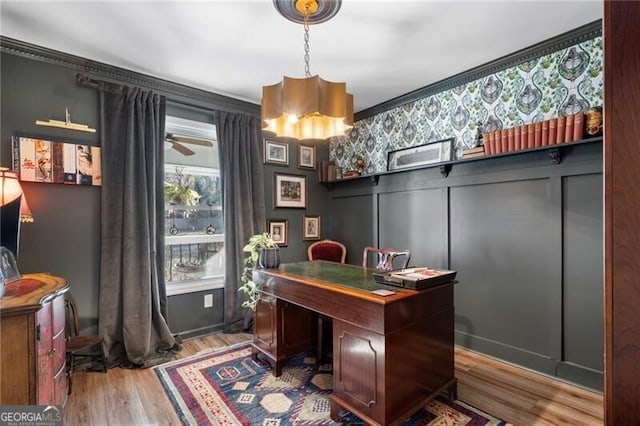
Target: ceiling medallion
<point x="310" y="107"/>
<point x="319" y="11"/>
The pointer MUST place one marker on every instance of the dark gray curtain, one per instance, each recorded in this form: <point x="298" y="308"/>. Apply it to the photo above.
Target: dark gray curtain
<point x="239" y="139"/>
<point x="132" y="308"/>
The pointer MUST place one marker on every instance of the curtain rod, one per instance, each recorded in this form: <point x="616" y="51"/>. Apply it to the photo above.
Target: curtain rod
<point x="103" y="85"/>
<point x="86" y="81"/>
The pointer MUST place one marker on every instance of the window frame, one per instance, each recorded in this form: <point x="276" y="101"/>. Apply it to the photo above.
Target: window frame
<point x="191" y="128"/>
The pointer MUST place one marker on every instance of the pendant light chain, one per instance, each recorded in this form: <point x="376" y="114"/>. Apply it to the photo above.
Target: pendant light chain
<point x="306" y="42"/>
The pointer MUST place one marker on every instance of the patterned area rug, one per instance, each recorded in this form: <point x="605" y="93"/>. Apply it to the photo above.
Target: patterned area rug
<point x="228" y="388"/>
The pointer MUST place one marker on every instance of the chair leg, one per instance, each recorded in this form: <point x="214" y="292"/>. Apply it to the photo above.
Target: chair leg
<point x="70" y="372"/>
<point x="320" y="340"/>
<point x="103" y="358"/>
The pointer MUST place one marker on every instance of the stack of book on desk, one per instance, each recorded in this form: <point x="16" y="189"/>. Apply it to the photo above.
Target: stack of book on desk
<point x="415" y="278"/>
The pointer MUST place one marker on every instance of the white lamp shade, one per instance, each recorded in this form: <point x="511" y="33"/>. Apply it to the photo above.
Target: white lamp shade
<point x="10" y="188"/>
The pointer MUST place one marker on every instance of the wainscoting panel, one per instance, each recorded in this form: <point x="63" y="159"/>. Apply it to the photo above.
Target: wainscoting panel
<point x="416" y="220"/>
<point x="352" y="223"/>
<point x="499" y="242"/>
<point x="582" y="251"/>
<point x="525" y="236"/>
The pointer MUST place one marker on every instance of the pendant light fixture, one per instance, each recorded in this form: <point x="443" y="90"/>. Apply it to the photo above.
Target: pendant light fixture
<point x="310" y="107"/>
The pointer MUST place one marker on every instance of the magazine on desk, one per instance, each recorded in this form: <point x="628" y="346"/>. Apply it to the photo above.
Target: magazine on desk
<point x="415" y="278"/>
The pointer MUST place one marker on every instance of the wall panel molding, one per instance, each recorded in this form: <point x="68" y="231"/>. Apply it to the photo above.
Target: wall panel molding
<point x="502" y="225"/>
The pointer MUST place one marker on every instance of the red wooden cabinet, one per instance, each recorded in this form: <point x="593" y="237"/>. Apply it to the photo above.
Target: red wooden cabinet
<point x="32" y="341"/>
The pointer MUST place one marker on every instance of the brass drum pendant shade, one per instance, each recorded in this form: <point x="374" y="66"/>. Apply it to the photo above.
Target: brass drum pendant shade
<point x="307" y="108"/>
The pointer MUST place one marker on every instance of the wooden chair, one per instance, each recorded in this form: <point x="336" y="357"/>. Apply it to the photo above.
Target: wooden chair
<point x="385" y="258"/>
<point x="81" y="346"/>
<point x="330" y="250"/>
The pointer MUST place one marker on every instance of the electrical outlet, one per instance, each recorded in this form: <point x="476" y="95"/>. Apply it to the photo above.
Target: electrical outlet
<point x="208" y="300"/>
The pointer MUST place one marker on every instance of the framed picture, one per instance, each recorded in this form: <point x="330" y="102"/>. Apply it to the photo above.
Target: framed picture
<point x="432" y="152"/>
<point x="276" y="153"/>
<point x="310" y="228"/>
<point x="279" y="230"/>
<point x="307" y="157"/>
<point x="290" y="191"/>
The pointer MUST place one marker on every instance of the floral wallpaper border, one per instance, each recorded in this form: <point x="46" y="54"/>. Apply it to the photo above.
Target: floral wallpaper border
<point x="560" y="83"/>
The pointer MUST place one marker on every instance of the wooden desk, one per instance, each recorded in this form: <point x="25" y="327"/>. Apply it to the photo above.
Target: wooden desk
<point x="390" y="354"/>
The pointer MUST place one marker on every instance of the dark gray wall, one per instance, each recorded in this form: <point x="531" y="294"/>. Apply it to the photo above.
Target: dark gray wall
<point x="188" y="316"/>
<point x="352" y="223"/>
<point x="426" y="238"/>
<point x="296" y="249"/>
<point x="582" y="308"/>
<point x="64" y="239"/>
<point x="525" y="236"/>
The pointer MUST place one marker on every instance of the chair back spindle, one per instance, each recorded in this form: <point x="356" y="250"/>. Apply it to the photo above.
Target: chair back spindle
<point x="385" y="258"/>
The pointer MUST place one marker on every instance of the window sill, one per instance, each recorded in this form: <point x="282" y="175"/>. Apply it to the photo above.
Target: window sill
<point x="183" y="287"/>
<point x="172" y="240"/>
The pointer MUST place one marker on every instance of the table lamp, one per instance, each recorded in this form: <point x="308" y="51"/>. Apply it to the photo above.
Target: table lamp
<point x="10" y="202"/>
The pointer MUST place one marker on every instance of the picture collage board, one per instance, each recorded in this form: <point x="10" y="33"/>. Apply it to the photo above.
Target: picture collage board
<point x="39" y="160"/>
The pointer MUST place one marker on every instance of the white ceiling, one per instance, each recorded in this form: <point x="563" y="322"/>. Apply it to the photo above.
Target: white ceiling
<point x="381" y="49"/>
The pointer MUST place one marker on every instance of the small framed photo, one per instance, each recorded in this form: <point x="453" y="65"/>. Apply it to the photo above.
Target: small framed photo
<point x="432" y="152"/>
<point x="279" y="231"/>
<point x="276" y="153"/>
<point x="310" y="228"/>
<point x="307" y="157"/>
<point x="290" y="191"/>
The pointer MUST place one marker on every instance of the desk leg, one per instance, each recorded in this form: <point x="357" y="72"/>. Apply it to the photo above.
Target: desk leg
<point x="452" y="391"/>
<point x="449" y="390"/>
<point x="276" y="366"/>
<point x="335" y="413"/>
<point x="319" y="343"/>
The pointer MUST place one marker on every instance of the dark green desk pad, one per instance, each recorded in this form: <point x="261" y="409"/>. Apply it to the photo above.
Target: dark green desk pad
<point x="340" y="274"/>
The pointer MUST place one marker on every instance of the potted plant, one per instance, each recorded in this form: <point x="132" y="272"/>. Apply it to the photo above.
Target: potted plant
<point x="263" y="252"/>
<point x="180" y="194"/>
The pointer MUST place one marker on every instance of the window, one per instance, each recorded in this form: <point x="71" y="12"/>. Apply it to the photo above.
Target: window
<point x="194" y="225"/>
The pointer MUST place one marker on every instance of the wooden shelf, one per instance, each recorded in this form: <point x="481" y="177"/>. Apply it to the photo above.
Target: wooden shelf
<point x="555" y="153"/>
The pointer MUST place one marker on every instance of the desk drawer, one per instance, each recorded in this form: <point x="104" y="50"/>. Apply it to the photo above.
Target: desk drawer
<point x="59" y="350"/>
<point x="58" y="313"/>
<point x="60" y="385"/>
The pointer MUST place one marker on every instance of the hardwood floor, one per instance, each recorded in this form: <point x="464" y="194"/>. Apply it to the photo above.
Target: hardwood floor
<point x="132" y="397"/>
<point x="521" y="397"/>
